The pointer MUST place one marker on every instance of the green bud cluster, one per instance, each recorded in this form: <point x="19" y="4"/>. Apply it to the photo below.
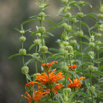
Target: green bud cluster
<point x="68" y="15"/>
<point x="37" y="41"/>
<point x="65" y="43"/>
<point x="98" y="42"/>
<point x="42" y="6"/>
<point x="22" y="31"/>
<point x="101" y="8"/>
<point x="64" y="52"/>
<point x="91" y="44"/>
<point x="64" y="1"/>
<point x="96" y="47"/>
<point x="22" y="38"/>
<point x="69" y="48"/>
<point x="91" y="89"/>
<point x="63" y="25"/>
<point x="98" y="34"/>
<point x="74" y="42"/>
<point x="68" y="28"/>
<point x="80" y="33"/>
<point x="22" y="51"/>
<point x="42" y="29"/>
<point x="73" y="20"/>
<point x="91" y="53"/>
<point x="100" y="15"/>
<point x="25" y="69"/>
<point x="43" y="49"/>
<point x="81" y="3"/>
<point x="64" y="68"/>
<point x="80" y="14"/>
<point x="92" y="38"/>
<point x="90" y="68"/>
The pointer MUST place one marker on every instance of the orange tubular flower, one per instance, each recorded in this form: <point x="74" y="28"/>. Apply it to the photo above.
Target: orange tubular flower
<point x="50" y="81"/>
<point x="30" y="84"/>
<point x="34" y="98"/>
<point x="76" y="82"/>
<point x="48" y="65"/>
<point x="72" y="67"/>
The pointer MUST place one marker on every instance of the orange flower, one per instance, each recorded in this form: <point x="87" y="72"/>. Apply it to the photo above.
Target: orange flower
<point x="30" y="84"/>
<point x="50" y="78"/>
<point x="34" y="97"/>
<point x="50" y="81"/>
<point x="72" y="67"/>
<point x="76" y="82"/>
<point x="48" y="65"/>
<point x="57" y="87"/>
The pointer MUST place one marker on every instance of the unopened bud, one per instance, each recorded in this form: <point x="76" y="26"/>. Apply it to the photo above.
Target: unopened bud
<point x="92" y="38"/>
<point x="37" y="41"/>
<point x="96" y="48"/>
<point x="64" y="1"/>
<point x="69" y="48"/>
<point x="43" y="49"/>
<point x="65" y="43"/>
<point x="22" y="51"/>
<point x="42" y="6"/>
<point x="81" y="3"/>
<point x="64" y="25"/>
<point x="91" y="53"/>
<point x="91" y="89"/>
<point x="42" y="14"/>
<point x="42" y="29"/>
<point x="90" y="68"/>
<point x="99" y="34"/>
<point x="22" y="31"/>
<point x="64" y="69"/>
<point x="80" y="33"/>
<point x="68" y="28"/>
<point x="38" y="34"/>
<point x="80" y="14"/>
<point x="91" y="44"/>
<point x="64" y="52"/>
<point x="68" y="15"/>
<point x="25" y="70"/>
<point x="98" y="42"/>
<point x="100" y="15"/>
<point x="22" y="38"/>
<point x="74" y="42"/>
<point x="73" y="20"/>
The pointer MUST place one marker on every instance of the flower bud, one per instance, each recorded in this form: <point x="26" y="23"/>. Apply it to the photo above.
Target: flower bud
<point x="37" y="41"/>
<point x="96" y="48"/>
<point x="65" y="43"/>
<point x="68" y="28"/>
<point x="81" y="3"/>
<point x="43" y="49"/>
<point x="22" y="51"/>
<point x="68" y="15"/>
<point x="91" y="44"/>
<point x="91" y="53"/>
<point x="42" y="29"/>
<point x="80" y="33"/>
<point x="64" y="69"/>
<point x="66" y="38"/>
<point x="36" y="55"/>
<point x="74" y="42"/>
<point x="66" y="92"/>
<point x="22" y="38"/>
<point x="98" y="42"/>
<point x="64" y="9"/>
<point x="64" y="1"/>
<point x="100" y="15"/>
<point x="91" y="89"/>
<point x="25" y="70"/>
<point x="22" y="31"/>
<point x="98" y="34"/>
<point x="29" y="86"/>
<point x="73" y="20"/>
<point x="80" y="14"/>
<point x="42" y="6"/>
<point x="90" y="68"/>
<point x="92" y="38"/>
<point x="40" y="18"/>
<point x="64" y="52"/>
<point x="64" y="25"/>
<point x="42" y="14"/>
<point x="69" y="48"/>
<point x="38" y="34"/>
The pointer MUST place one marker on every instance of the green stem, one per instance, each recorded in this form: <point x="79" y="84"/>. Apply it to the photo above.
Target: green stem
<point x="65" y="81"/>
<point x="23" y="59"/>
<point x="36" y="66"/>
<point x="90" y="78"/>
<point x="45" y="58"/>
<point x="70" y="60"/>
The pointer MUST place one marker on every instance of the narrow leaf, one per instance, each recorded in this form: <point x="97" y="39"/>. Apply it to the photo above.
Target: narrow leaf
<point x="22" y="97"/>
<point x="28" y="77"/>
<point x="13" y="56"/>
<point x="49" y="33"/>
<point x="31" y="46"/>
<point x="51" y="22"/>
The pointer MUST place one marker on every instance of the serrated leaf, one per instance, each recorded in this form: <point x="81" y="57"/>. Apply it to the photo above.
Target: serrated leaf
<point x="49" y="33"/>
<point x="28" y="77"/>
<point x="51" y="22"/>
<point x="31" y="46"/>
<point x="22" y="98"/>
<point x="27" y="22"/>
<point x="13" y="56"/>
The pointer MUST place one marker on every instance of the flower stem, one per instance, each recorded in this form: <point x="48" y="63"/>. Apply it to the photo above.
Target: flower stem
<point x="23" y="59"/>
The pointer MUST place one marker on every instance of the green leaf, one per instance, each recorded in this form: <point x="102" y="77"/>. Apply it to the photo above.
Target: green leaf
<point x="50" y="28"/>
<point x="13" y="56"/>
<point x="73" y="94"/>
<point x="85" y="24"/>
<point x="17" y="29"/>
<point x="49" y="33"/>
<point x="28" y="77"/>
<point x="72" y="73"/>
<point x="99" y="72"/>
<point x="84" y="43"/>
<point x="34" y="16"/>
<point x="101" y="67"/>
<point x="61" y="97"/>
<point x="31" y="46"/>
<point x="91" y="16"/>
<point x="87" y="37"/>
<point x="33" y="33"/>
<point x="27" y="22"/>
<point x="88" y="4"/>
<point x="51" y="22"/>
<point x="22" y="98"/>
<point x="60" y="10"/>
<point x="63" y="35"/>
<point x="84" y="95"/>
<point x="27" y="62"/>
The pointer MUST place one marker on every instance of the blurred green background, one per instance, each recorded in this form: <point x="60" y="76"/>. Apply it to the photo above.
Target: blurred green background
<point x="12" y="14"/>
